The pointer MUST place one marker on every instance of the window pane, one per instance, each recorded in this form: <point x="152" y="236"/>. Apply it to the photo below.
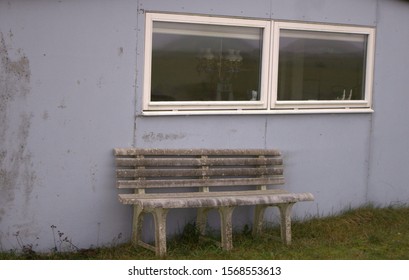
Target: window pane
<point x="201" y="62"/>
<point x="321" y="66"/>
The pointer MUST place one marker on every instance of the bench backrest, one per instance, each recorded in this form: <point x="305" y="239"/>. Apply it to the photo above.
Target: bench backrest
<point x="204" y="169"/>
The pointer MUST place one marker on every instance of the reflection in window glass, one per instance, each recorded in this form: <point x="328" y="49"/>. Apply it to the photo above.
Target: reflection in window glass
<point x="199" y="62"/>
<point x="321" y="66"/>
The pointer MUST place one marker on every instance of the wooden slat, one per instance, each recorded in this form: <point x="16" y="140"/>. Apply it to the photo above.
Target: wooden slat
<point x="186" y="152"/>
<point x="261" y="171"/>
<point x="134" y="162"/>
<point x="182" y="168"/>
<point x="185" y="183"/>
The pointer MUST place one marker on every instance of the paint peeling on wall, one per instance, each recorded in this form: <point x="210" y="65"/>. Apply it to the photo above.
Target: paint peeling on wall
<point x="16" y="172"/>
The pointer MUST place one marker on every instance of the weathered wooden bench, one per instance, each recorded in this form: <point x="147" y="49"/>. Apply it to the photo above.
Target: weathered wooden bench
<point x="205" y="179"/>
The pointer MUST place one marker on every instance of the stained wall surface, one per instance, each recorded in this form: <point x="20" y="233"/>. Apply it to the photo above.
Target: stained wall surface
<point x="71" y="79"/>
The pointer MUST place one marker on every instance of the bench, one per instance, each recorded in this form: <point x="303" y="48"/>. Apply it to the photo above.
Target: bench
<point x="164" y="179"/>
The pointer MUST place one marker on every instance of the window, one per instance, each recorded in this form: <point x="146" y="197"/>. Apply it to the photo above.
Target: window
<point x="202" y="63"/>
<point x="322" y="66"/>
<point x="198" y="64"/>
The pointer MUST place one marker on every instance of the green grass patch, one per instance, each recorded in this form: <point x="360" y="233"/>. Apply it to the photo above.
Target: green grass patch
<point x="365" y="233"/>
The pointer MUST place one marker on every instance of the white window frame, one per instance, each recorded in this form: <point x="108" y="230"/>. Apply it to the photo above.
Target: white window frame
<point x="347" y="105"/>
<point x="203" y="106"/>
<point x="268" y="103"/>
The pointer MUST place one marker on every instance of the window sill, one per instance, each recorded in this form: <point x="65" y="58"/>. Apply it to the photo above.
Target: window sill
<point x="258" y="112"/>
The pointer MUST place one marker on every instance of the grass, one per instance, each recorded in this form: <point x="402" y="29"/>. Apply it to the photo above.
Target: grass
<point x="368" y="233"/>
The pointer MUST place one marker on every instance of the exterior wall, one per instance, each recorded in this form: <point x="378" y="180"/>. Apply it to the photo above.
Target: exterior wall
<point x="389" y="160"/>
<point x="70" y="90"/>
<point x="67" y="78"/>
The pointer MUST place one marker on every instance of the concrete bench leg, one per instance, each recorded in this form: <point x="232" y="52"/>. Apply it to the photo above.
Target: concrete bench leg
<point x="226" y="214"/>
<point x="137" y="225"/>
<point x="201" y="220"/>
<point x="159" y="215"/>
<point x="285" y="212"/>
<point x="258" y="219"/>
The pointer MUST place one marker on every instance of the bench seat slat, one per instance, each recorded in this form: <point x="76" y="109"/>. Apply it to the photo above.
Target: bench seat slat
<point x="169" y="172"/>
<point x="185" y="183"/>
<point x="204" y="194"/>
<point x="198" y="152"/>
<point x="156" y="162"/>
<point x="214" y="199"/>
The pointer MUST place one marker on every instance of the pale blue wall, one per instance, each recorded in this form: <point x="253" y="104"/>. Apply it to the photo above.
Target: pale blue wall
<point x="71" y="90"/>
<point x="389" y="161"/>
<point x="62" y="113"/>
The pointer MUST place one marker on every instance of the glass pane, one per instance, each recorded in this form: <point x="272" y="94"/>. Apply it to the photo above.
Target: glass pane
<point x="321" y="66"/>
<point x="200" y="62"/>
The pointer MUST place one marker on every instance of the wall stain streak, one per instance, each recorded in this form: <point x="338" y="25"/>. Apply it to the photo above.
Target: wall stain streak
<point x="158" y="137"/>
<point x="16" y="167"/>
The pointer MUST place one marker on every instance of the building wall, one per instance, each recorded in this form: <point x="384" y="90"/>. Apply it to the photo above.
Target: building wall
<point x="67" y="98"/>
<point x="389" y="161"/>
<point x="71" y="77"/>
